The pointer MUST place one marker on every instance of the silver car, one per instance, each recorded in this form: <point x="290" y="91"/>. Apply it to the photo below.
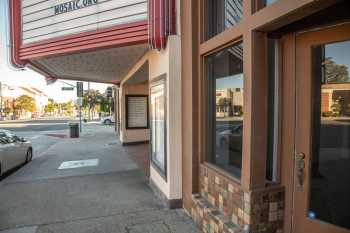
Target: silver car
<point x="14" y="151"/>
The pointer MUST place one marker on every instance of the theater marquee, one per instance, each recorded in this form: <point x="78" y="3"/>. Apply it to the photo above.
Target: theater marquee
<point x="43" y="20"/>
<point x="73" y="5"/>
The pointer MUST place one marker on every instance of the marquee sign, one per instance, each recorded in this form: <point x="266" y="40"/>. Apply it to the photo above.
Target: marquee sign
<point x="73" y="5"/>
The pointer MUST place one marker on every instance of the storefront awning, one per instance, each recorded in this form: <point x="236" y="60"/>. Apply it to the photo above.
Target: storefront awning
<point x="103" y="65"/>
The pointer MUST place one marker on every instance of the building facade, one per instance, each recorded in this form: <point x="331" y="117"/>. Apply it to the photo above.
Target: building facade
<point x="245" y="103"/>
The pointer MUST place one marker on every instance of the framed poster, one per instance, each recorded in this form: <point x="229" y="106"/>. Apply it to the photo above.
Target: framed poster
<point x="136" y="111"/>
<point x="158" y="125"/>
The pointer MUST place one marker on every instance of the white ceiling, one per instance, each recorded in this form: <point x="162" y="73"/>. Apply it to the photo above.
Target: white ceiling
<point x="104" y="65"/>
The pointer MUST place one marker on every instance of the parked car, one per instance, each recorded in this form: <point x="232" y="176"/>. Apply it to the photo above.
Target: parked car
<point x="14" y="151"/>
<point x="229" y="145"/>
<point x="231" y="138"/>
<point x="108" y="120"/>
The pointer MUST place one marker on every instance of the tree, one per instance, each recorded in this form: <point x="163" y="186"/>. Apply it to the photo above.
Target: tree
<point x="336" y="108"/>
<point x="25" y="103"/>
<point x="335" y="73"/>
<point x="50" y="107"/>
<point x="67" y="108"/>
<point x="92" y="99"/>
<point x="7" y="111"/>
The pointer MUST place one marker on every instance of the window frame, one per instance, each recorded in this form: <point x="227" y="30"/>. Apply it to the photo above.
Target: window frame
<point x="260" y="4"/>
<point x="127" y="127"/>
<point x="254" y="157"/>
<point x="277" y="114"/>
<point x="203" y="109"/>
<point x="204" y="22"/>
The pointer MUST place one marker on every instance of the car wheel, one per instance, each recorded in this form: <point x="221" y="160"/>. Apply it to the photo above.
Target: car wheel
<point x="108" y="122"/>
<point x="29" y="155"/>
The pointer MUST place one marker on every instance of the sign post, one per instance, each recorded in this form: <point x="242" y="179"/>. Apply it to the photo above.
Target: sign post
<point x="67" y="88"/>
<point x="1" y="106"/>
<point x="80" y="94"/>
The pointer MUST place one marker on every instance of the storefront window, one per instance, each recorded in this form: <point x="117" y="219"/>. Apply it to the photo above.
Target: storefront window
<point x="224" y="81"/>
<point x="158" y="126"/>
<point x="221" y="14"/>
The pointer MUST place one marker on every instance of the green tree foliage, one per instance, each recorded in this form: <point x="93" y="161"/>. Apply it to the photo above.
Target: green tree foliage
<point x="334" y="72"/>
<point x="25" y="103"/>
<point x="67" y="107"/>
<point x="92" y="98"/>
<point x="50" y="107"/>
<point x="336" y="109"/>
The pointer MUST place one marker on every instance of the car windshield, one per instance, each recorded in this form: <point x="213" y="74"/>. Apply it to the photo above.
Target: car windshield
<point x="7" y="136"/>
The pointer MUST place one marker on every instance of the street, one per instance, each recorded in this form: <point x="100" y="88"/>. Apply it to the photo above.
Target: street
<point x="87" y="184"/>
<point x="38" y="131"/>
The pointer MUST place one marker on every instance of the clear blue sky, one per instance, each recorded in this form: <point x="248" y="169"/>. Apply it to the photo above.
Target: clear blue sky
<point x="29" y="77"/>
<point x="340" y="52"/>
<point x="235" y="81"/>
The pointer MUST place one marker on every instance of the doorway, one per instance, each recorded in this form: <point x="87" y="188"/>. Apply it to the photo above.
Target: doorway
<point x="321" y="185"/>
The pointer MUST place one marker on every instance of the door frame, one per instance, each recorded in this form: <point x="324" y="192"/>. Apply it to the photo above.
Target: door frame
<point x="290" y="141"/>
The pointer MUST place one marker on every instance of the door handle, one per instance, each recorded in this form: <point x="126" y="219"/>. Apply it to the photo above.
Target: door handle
<point x="300" y="168"/>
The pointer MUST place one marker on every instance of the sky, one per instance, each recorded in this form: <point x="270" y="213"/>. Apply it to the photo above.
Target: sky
<point x="234" y="81"/>
<point x="28" y="77"/>
<point x="339" y="52"/>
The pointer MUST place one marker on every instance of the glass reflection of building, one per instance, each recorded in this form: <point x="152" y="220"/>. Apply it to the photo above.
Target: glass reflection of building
<point x="229" y="102"/>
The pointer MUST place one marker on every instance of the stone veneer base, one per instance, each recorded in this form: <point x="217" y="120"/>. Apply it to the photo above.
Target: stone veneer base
<point x="224" y="207"/>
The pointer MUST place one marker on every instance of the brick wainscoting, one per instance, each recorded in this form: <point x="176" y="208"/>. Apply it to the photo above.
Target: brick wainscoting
<point x="224" y="207"/>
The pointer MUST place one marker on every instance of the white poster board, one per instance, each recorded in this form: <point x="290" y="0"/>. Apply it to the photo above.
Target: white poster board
<point x="137" y="112"/>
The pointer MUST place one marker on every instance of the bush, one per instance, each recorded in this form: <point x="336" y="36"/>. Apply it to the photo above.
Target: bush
<point x="327" y="114"/>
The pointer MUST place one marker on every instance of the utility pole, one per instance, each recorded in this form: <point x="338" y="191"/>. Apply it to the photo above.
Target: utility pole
<point x="89" y="114"/>
<point x="80" y="94"/>
<point x="1" y="106"/>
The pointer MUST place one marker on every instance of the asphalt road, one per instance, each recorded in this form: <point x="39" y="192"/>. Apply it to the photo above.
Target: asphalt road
<point x="43" y="133"/>
<point x="35" y="125"/>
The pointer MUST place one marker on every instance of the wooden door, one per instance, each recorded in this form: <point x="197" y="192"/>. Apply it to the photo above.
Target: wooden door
<point x="321" y="200"/>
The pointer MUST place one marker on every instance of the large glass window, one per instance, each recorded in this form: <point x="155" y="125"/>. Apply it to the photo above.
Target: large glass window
<point x="224" y="82"/>
<point x="221" y="14"/>
<point x="158" y="125"/>
<point x="329" y="199"/>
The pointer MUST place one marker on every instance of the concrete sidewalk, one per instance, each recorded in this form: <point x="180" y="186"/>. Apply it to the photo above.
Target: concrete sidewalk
<point x="110" y="197"/>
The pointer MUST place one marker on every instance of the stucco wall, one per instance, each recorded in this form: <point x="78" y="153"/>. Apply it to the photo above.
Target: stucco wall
<point x="132" y="135"/>
<point x="166" y="62"/>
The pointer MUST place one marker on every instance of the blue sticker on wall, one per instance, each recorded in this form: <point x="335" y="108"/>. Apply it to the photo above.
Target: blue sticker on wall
<point x="312" y="215"/>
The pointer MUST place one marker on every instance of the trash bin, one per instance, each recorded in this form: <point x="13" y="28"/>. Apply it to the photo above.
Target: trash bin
<point x="73" y="130"/>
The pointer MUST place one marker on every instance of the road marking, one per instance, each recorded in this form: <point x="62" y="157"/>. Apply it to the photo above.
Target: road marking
<point x="78" y="164"/>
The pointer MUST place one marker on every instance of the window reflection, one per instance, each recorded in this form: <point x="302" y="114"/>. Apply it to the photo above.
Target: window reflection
<point x="269" y="2"/>
<point x="330" y="176"/>
<point x="222" y="14"/>
<point x="158" y="133"/>
<point x="225" y="112"/>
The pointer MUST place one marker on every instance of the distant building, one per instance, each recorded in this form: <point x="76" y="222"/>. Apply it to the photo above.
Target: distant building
<point x="11" y="92"/>
<point x="229" y="102"/>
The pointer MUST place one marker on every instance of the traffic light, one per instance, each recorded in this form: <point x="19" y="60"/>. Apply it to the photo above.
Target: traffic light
<point x="109" y="91"/>
<point x="80" y="89"/>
